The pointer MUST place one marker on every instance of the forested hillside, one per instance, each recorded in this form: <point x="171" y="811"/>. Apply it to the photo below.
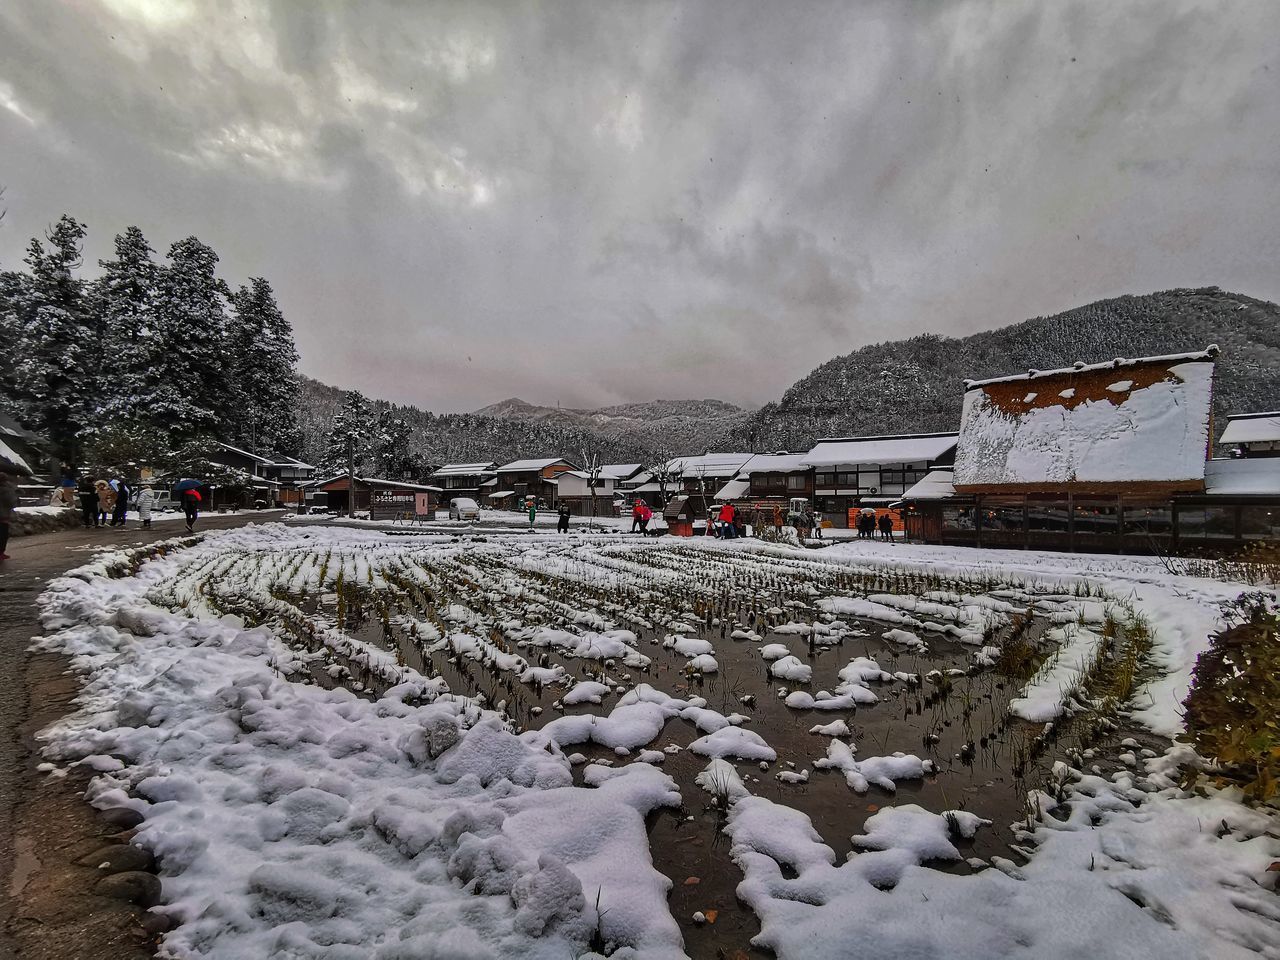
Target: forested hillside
<point x="917" y="384"/>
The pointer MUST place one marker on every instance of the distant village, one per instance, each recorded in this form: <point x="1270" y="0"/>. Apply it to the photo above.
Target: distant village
<point x="1110" y="457"/>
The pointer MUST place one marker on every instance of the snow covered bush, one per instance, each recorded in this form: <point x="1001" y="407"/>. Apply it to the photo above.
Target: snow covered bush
<point x="1233" y="707"/>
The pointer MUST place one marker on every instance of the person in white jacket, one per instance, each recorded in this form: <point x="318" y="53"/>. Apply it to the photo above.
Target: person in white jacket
<point x="146" y="498"/>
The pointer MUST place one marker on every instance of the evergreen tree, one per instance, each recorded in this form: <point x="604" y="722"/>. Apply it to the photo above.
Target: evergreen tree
<point x="190" y="345"/>
<point x="56" y="358"/>
<point x="352" y="433"/>
<point x="131" y="374"/>
<point x="393" y="459"/>
<point x="263" y="381"/>
<point x="12" y="289"/>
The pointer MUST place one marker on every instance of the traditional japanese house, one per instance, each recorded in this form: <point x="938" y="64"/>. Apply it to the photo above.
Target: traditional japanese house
<point x="770" y="476"/>
<point x="1252" y="435"/>
<point x="528" y="478"/>
<point x="576" y="487"/>
<point x="1104" y="457"/>
<point x="464" y="479"/>
<point x="701" y="477"/>
<point x="382" y="498"/>
<point x="852" y="473"/>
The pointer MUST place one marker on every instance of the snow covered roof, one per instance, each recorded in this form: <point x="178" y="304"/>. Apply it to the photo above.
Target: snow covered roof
<point x="10" y="459"/>
<point x="774" y="463"/>
<point x="906" y="448"/>
<point x="936" y="485"/>
<point x="464" y="469"/>
<point x="619" y="471"/>
<point x="733" y="490"/>
<point x="376" y="482"/>
<point x="499" y="494"/>
<point x="1252" y="428"/>
<point x="1130" y="421"/>
<point x="1248" y="476"/>
<point x="709" y="464"/>
<point x="520" y="466"/>
<point x="1119" y="363"/>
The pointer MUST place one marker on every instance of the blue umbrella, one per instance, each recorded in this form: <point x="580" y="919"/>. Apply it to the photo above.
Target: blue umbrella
<point x="184" y="485"/>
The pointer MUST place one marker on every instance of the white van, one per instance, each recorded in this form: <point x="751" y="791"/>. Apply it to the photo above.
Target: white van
<point x="463" y="508"/>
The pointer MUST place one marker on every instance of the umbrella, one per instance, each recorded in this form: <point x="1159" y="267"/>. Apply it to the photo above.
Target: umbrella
<point x="182" y="486"/>
<point x="868" y="510"/>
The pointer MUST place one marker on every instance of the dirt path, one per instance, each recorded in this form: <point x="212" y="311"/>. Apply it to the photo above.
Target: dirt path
<point x="52" y="905"/>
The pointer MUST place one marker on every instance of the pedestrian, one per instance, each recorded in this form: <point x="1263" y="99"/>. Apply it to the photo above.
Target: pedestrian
<point x="8" y="504"/>
<point x="121" y="510"/>
<point x="886" y="526"/>
<point x="67" y="484"/>
<point x="646" y="514"/>
<point x="533" y="511"/>
<point x="637" y="512"/>
<point x="88" y="501"/>
<point x="191" y="507"/>
<point x="815" y="522"/>
<point x="106" y="502"/>
<point x="562" y="521"/>
<point x="146" y="500"/>
<point x="728" y="529"/>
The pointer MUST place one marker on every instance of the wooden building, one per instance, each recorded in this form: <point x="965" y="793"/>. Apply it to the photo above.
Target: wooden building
<point x="575" y="487"/>
<point x="464" y="479"/>
<point x="394" y="496"/>
<point x="852" y="473"/>
<point x="514" y="482"/>
<point x="1252" y="435"/>
<point x="1109" y="457"/>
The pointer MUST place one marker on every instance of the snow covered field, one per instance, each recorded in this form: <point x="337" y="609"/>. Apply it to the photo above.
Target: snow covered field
<point x="348" y="743"/>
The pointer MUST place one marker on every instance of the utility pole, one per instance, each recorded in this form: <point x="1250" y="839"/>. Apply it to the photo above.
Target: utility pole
<point x="351" y="475"/>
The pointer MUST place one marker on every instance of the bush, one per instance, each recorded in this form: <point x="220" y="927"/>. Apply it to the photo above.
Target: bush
<point x="1233" y="707"/>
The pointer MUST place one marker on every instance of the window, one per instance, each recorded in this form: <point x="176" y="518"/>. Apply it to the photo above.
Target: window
<point x="1148" y="519"/>
<point x="825" y="479"/>
<point x="1097" y="519"/>
<point x="847" y="479"/>
<point x="957" y="518"/>
<point x="1005" y="517"/>
<point x="1257" y="523"/>
<point x="1047" y="516"/>
<point x="796" y="481"/>
<point x="1206" y="523"/>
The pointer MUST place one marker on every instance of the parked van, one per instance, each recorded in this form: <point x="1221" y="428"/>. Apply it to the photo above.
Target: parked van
<point x="463" y="508"/>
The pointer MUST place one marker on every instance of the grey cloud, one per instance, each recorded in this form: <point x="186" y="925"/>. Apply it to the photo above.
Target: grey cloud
<point x="615" y="201"/>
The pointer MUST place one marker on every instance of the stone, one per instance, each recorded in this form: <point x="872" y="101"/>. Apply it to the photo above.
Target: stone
<point x="125" y="818"/>
<point x="118" y="858"/>
<point x="132" y="886"/>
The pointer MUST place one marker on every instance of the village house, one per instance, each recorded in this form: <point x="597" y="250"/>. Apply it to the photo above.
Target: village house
<point x="271" y="478"/>
<point x="575" y="488"/>
<point x="1109" y="457"/>
<point x="464" y="479"/>
<point x="515" y="481"/>
<point x="770" y="476"/>
<point x="852" y="473"/>
<point x="1252" y="434"/>
<point x="382" y="499"/>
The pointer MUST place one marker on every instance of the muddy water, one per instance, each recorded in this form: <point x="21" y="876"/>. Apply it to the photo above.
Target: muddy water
<point x="961" y="725"/>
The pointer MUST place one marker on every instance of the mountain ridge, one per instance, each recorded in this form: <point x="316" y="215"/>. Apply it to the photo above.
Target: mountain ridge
<point x="913" y="385"/>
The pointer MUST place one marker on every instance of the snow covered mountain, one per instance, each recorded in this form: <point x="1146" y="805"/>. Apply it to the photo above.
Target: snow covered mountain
<point x="902" y="386"/>
<point x="916" y="385"/>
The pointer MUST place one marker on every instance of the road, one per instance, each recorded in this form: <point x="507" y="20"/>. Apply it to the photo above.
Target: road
<point x="49" y="907"/>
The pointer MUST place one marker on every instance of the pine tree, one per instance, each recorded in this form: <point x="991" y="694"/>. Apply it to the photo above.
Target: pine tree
<point x="393" y="459"/>
<point x="352" y="433"/>
<point x="12" y="290"/>
<point x="263" y="379"/>
<point x="55" y="360"/>
<point x="131" y="375"/>
<point x="190" y="345"/>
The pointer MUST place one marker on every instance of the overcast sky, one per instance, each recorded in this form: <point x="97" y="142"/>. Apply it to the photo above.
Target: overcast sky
<point x="593" y="202"/>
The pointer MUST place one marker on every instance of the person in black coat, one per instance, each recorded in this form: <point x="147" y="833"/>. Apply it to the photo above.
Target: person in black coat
<point x="88" y="495"/>
<point x="121" y="509"/>
<point x="886" y="526"/>
<point x="562" y="522"/>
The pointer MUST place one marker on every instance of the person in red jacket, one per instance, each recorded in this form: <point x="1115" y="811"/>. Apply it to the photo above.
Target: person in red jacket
<point x="646" y="514"/>
<point x="727" y="528"/>
<point x="637" y="515"/>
